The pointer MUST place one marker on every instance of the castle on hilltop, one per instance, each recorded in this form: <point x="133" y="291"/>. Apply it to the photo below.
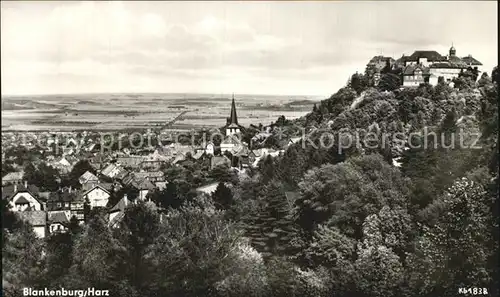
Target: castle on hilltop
<point x="423" y="66"/>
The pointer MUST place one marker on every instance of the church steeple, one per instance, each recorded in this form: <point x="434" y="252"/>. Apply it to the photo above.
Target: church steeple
<point x="233" y="118"/>
<point x="232" y="126"/>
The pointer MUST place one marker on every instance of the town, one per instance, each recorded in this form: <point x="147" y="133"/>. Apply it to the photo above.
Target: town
<point x="111" y="175"/>
<point x="91" y="169"/>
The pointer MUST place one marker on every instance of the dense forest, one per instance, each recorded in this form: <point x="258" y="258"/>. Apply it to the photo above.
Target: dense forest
<point x="314" y="221"/>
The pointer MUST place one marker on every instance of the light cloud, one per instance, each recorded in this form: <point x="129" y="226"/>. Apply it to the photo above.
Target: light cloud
<point x="224" y="47"/>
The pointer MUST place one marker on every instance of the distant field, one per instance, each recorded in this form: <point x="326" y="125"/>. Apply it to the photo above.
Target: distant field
<point x="122" y="111"/>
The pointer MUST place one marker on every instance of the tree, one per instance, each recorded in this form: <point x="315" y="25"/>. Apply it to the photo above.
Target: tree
<point x="331" y="248"/>
<point x="455" y="250"/>
<point x="98" y="258"/>
<point x="267" y="169"/>
<point x="358" y="83"/>
<point x="59" y="257"/>
<point x="22" y="261"/>
<point x="78" y="169"/>
<point x="389" y="82"/>
<point x="42" y="176"/>
<point x="222" y="197"/>
<point x="198" y="246"/>
<point x="495" y="77"/>
<point x="379" y="272"/>
<point x="139" y="228"/>
<point x="346" y="193"/>
<point x="271" y="227"/>
<point x="484" y="80"/>
<point x="10" y="221"/>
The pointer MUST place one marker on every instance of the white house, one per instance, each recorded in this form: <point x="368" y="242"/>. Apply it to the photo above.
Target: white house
<point x="98" y="196"/>
<point x="58" y="221"/>
<point x="210" y="149"/>
<point x="24" y="200"/>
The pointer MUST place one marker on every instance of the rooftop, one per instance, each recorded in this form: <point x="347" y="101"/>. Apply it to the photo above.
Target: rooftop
<point x="35" y="217"/>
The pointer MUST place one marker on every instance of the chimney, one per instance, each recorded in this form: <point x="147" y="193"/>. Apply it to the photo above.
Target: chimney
<point x="69" y="189"/>
<point x="15" y="187"/>
<point x="26" y="184"/>
<point x="125" y="199"/>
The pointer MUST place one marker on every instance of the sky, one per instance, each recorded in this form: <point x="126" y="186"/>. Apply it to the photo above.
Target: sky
<point x="276" y="48"/>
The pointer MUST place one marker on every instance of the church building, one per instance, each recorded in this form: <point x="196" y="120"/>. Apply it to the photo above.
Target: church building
<point x="232" y="126"/>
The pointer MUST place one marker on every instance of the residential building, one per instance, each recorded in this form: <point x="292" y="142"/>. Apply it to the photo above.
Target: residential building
<point x="117" y="213"/>
<point x="98" y="196"/>
<point x="88" y="177"/>
<point x="112" y="170"/>
<point x="61" y="200"/>
<point x="22" y="197"/>
<point x="58" y="221"/>
<point x="415" y="74"/>
<point x="77" y="208"/>
<point x="144" y="186"/>
<point x="13" y="178"/>
<point x="219" y="161"/>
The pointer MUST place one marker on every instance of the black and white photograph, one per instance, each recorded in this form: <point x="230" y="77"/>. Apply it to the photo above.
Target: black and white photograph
<point x="250" y="148"/>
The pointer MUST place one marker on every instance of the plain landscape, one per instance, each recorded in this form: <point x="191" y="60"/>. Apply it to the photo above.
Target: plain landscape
<point x="123" y="111"/>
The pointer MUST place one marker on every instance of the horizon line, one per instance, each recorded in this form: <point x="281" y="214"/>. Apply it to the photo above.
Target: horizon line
<point x="160" y="93"/>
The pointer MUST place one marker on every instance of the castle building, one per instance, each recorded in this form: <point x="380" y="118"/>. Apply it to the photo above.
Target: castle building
<point x="429" y="66"/>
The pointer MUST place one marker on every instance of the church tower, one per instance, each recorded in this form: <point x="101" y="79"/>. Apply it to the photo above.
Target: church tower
<point x="232" y="126"/>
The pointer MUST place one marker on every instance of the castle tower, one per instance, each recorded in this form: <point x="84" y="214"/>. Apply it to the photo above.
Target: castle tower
<point x="453" y="51"/>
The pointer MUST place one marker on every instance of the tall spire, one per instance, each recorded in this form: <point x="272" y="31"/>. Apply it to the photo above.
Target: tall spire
<point x="233" y="119"/>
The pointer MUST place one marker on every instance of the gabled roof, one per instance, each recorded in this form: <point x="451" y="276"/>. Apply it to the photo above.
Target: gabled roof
<point x="432" y="56"/>
<point x="144" y="184"/>
<point x="8" y="191"/>
<point x="90" y="185"/>
<point x="121" y="205"/>
<point x="95" y="187"/>
<point x="469" y="60"/>
<point x="88" y="177"/>
<point x="35" y="218"/>
<point x="22" y="200"/>
<point x="219" y="160"/>
<point x="117" y="219"/>
<point x="449" y="65"/>
<point x="149" y="174"/>
<point x="130" y="161"/>
<point x="108" y="169"/>
<point x="198" y="155"/>
<point x="410" y="69"/>
<point x="380" y="60"/>
<point x="13" y="176"/>
<point x="58" y="217"/>
<point x="231" y="140"/>
<point x="61" y="196"/>
<point x="456" y="61"/>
